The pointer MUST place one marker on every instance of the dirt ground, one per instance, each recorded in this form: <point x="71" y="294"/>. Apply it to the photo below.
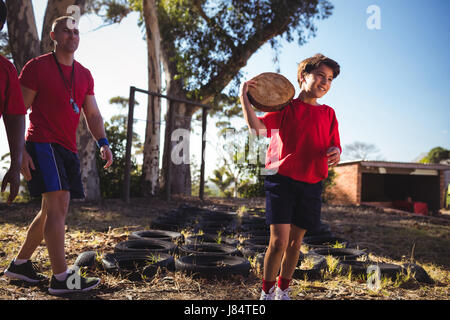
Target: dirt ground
<point x="387" y="237"/>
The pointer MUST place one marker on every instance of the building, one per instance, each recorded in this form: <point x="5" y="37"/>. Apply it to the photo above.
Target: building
<point x="383" y="183"/>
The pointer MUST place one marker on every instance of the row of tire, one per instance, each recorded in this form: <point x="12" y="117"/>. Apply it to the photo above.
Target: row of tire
<point x="219" y="252"/>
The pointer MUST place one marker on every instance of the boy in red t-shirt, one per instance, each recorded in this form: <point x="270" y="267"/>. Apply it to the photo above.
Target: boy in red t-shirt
<point x="304" y="142"/>
<point x="13" y="110"/>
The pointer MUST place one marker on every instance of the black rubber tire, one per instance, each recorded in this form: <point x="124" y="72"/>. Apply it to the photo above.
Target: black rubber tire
<point x="360" y="268"/>
<point x="134" y="266"/>
<point x="419" y="273"/>
<point x="323" y="241"/>
<point x="164" y="235"/>
<point x="251" y="250"/>
<point x="313" y="273"/>
<point x="148" y="245"/>
<point x="342" y="254"/>
<point x="322" y="230"/>
<point x="256" y="233"/>
<point x="207" y="249"/>
<point x="211" y="238"/>
<point x="259" y="241"/>
<point x="86" y="259"/>
<point x="209" y="266"/>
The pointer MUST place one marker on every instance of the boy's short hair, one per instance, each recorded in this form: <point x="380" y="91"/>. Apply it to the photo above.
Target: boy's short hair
<point x="62" y="18"/>
<point x="306" y="66"/>
<point x="3" y="14"/>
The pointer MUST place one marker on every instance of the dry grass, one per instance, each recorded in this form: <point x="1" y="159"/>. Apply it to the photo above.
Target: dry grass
<point x="388" y="237"/>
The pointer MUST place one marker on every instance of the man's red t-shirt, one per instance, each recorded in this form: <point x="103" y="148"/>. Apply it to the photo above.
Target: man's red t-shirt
<point x="300" y="137"/>
<point x="52" y="118"/>
<point x="11" y="100"/>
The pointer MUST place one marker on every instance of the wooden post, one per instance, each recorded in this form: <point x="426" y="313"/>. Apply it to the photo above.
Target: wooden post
<point x="126" y="183"/>
<point x="202" y="166"/>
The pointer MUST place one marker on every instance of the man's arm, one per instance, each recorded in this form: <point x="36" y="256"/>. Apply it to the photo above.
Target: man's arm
<point x="94" y="122"/>
<point x="253" y="123"/>
<point x="27" y="163"/>
<point x="15" y="131"/>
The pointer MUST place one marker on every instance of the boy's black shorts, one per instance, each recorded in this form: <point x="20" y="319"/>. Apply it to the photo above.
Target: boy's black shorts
<point x="57" y="168"/>
<point x="289" y="201"/>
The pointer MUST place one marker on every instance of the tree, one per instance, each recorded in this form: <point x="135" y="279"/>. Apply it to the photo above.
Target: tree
<point x="204" y="46"/>
<point x="436" y="155"/>
<point x="361" y="151"/>
<point x="24" y="44"/>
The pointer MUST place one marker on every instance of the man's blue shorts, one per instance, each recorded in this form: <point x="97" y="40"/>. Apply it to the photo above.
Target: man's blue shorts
<point x="56" y="168"/>
<point x="289" y="201"/>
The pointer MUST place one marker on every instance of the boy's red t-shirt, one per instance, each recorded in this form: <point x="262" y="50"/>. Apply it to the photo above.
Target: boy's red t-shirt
<point x="52" y="118"/>
<point x="300" y="137"/>
<point x="11" y="100"/>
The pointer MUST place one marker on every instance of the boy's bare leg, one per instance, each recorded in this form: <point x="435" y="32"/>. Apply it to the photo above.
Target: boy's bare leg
<point x="290" y="258"/>
<point x="57" y="204"/>
<point x="279" y="238"/>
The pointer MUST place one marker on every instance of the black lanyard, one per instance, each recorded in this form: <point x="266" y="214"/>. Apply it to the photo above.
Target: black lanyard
<point x="69" y="87"/>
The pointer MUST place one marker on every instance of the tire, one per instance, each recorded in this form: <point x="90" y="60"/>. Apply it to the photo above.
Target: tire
<point x="256" y="233"/>
<point x="86" y="259"/>
<point x="134" y="266"/>
<point x="319" y="265"/>
<point x="163" y="235"/>
<point x="342" y="254"/>
<point x="209" y="266"/>
<point x="148" y="245"/>
<point x="323" y="241"/>
<point x="360" y="268"/>
<point x="322" y="230"/>
<point x="211" y="238"/>
<point x="251" y="250"/>
<point x="419" y="273"/>
<point x="258" y="241"/>
<point x="207" y="249"/>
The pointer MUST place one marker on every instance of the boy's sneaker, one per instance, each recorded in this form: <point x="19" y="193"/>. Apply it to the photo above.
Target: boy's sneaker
<point x="27" y="271"/>
<point x="282" y="294"/>
<point x="74" y="282"/>
<point x="268" y="296"/>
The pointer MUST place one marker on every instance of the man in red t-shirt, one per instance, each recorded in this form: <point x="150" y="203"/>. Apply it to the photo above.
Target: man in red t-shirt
<point x="13" y="111"/>
<point x="304" y="142"/>
<point x="57" y="88"/>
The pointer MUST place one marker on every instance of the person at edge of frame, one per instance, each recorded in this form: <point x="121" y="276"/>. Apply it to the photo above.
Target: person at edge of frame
<point x="13" y="110"/>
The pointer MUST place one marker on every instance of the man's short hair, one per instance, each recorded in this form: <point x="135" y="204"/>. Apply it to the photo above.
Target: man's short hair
<point x="60" y="19"/>
<point x="308" y="65"/>
<point x="3" y="14"/>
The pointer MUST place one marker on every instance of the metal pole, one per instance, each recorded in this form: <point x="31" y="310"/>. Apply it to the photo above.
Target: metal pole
<point x="126" y="183"/>
<point x="202" y="166"/>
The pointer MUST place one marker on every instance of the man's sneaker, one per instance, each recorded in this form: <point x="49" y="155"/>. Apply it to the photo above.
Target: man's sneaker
<point x="268" y="296"/>
<point x="26" y="272"/>
<point x="75" y="282"/>
<point x="282" y="294"/>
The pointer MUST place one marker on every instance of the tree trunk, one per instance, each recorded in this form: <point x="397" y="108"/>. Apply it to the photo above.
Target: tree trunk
<point x="22" y="32"/>
<point x="87" y="152"/>
<point x="150" y="167"/>
<point x="177" y="146"/>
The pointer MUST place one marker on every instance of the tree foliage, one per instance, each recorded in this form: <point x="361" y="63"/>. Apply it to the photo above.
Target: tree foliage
<point x="436" y="155"/>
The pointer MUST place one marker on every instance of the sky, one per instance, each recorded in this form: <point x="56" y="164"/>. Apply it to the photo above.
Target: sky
<point x="393" y="90"/>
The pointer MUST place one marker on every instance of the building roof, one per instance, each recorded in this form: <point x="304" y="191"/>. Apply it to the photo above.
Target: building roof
<point x="390" y="164"/>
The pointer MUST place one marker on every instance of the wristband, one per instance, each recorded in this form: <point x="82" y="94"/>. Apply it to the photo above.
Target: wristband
<point x="102" y="142"/>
